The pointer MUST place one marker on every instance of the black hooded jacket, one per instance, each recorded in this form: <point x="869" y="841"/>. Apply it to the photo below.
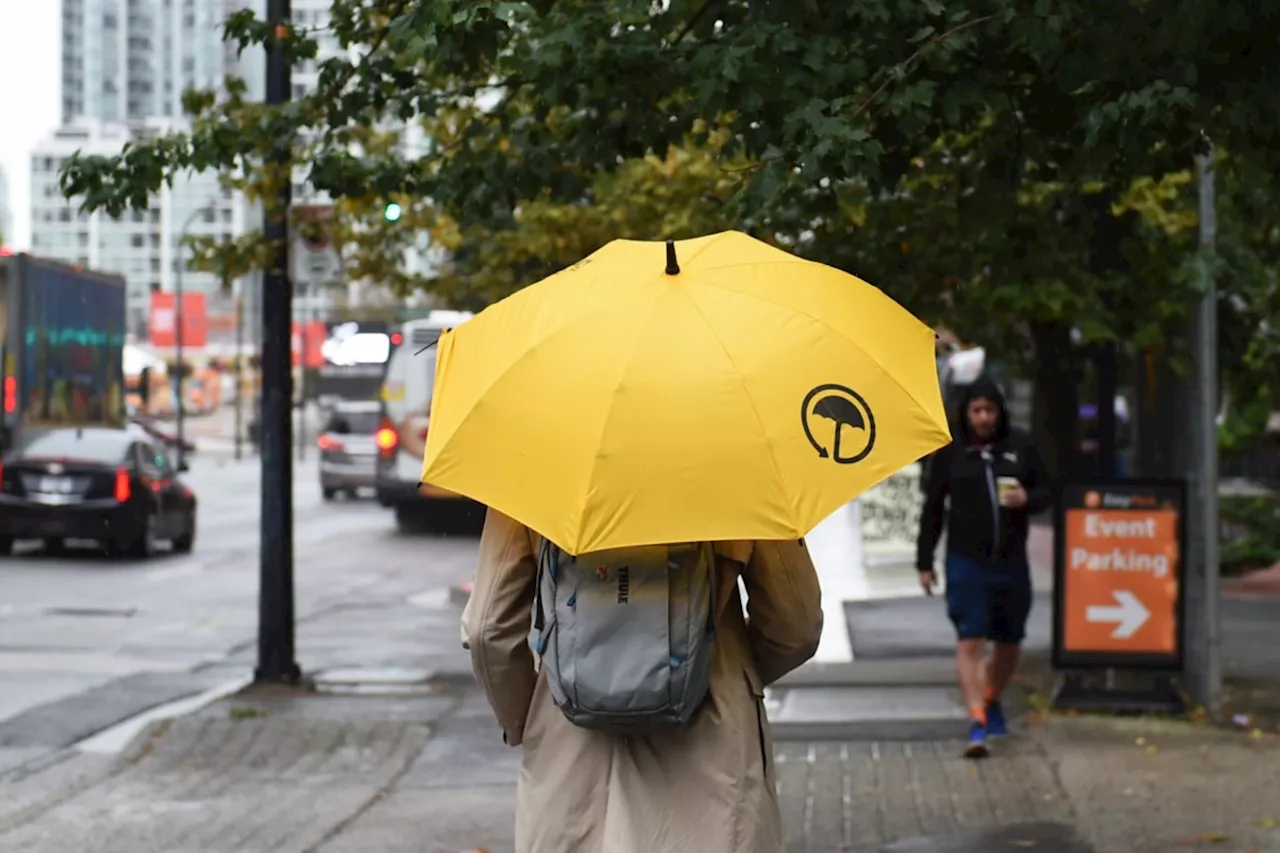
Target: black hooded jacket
<point x="966" y="472"/>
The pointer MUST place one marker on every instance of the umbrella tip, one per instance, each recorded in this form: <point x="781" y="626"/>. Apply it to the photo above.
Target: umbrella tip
<point x="673" y="268"/>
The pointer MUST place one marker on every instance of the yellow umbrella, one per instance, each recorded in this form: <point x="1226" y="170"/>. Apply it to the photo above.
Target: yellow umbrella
<point x="714" y="388"/>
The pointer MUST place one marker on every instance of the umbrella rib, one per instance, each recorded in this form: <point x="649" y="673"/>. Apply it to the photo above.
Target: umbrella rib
<point x="910" y="395"/>
<point x="608" y="413"/>
<point x="523" y="354"/>
<point x="755" y="412"/>
<point x="502" y="375"/>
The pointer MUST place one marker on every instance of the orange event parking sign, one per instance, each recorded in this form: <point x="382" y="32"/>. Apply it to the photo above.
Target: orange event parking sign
<point x="1119" y="571"/>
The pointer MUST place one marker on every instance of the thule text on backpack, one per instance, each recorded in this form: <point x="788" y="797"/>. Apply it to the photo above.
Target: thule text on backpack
<point x="624" y="584"/>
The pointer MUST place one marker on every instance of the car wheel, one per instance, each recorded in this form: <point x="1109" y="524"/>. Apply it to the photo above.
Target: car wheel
<point x="144" y="547"/>
<point x="6" y="545"/>
<point x="473" y="516"/>
<point x="329" y="494"/>
<point x="412" y="519"/>
<point x="184" y="543"/>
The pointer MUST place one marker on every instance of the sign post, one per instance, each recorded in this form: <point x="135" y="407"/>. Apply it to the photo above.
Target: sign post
<point x="316" y="263"/>
<point x="1119" y="600"/>
<point x="315" y="267"/>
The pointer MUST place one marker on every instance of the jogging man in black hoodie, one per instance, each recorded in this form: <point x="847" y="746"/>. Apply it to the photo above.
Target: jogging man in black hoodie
<point x="994" y="481"/>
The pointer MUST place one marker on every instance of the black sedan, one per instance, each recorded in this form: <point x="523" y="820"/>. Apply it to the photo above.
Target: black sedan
<point x="108" y="485"/>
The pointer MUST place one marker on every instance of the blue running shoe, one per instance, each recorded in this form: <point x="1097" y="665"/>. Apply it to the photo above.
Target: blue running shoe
<point x="977" y="745"/>
<point x="997" y="726"/>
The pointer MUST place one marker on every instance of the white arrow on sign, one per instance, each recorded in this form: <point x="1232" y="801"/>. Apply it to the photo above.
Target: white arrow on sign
<point x="1128" y="614"/>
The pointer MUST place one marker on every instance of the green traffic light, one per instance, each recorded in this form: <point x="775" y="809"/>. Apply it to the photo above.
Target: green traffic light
<point x="392" y="212"/>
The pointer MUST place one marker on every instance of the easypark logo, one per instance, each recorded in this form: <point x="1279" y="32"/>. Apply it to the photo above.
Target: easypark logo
<point x="1097" y="500"/>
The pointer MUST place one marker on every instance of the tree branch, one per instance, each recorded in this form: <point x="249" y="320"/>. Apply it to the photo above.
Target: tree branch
<point x="907" y="65"/>
<point x="375" y="43"/>
<point x="691" y="23"/>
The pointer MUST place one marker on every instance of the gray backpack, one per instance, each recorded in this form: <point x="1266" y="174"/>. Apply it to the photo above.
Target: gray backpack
<point x="625" y="635"/>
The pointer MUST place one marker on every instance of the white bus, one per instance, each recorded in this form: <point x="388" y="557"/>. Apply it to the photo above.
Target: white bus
<point x="402" y="433"/>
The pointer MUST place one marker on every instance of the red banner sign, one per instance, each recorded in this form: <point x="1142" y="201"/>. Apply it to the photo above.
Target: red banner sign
<point x="164" y="320"/>
<point x="308" y="338"/>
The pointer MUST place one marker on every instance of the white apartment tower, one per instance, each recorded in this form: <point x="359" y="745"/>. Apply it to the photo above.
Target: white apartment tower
<point x="127" y="60"/>
<point x="125" y="65"/>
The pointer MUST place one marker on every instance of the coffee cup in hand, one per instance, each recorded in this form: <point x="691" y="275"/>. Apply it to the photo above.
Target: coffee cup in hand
<point x="1003" y="486"/>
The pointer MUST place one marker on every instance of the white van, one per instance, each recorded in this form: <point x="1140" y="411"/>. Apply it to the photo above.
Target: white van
<point x="402" y="433"/>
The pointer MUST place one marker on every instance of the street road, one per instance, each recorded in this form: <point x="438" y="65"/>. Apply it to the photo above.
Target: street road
<point x="86" y="641"/>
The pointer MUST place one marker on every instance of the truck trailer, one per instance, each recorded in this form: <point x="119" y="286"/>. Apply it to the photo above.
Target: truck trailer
<point x="62" y="334"/>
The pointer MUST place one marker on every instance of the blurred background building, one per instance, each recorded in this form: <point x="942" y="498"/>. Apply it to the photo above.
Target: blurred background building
<point x="125" y="65"/>
<point x="6" y="219"/>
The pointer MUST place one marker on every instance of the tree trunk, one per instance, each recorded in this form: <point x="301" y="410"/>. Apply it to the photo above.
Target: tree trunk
<point x="1056" y="418"/>
<point x="1107" y="369"/>
<point x="1159" y="413"/>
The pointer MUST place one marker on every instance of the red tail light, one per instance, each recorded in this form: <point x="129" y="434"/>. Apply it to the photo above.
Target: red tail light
<point x="10" y="394"/>
<point x="324" y="442"/>
<point x="123" y="489"/>
<point x="386" y="438"/>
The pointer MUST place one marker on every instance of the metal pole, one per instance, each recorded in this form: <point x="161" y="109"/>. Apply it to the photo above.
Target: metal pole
<point x="177" y="357"/>
<point x="1204" y="659"/>
<point x="303" y="316"/>
<point x="257" y="352"/>
<point x="178" y="332"/>
<point x="239" y="372"/>
<point x="275" y="601"/>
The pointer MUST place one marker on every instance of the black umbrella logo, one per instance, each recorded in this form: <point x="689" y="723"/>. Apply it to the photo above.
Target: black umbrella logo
<point x="851" y="425"/>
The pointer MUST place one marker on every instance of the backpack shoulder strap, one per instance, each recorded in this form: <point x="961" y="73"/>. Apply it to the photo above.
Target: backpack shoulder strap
<point x="547" y="558"/>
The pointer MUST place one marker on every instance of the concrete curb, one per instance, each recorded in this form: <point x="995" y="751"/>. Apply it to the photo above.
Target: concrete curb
<point x="892" y="672"/>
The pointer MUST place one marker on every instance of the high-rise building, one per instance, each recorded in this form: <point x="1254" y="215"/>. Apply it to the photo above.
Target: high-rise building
<point x="125" y="66"/>
<point x="126" y="60"/>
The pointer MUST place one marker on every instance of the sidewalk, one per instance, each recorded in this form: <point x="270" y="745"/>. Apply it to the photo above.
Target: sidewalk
<point x="398" y="753"/>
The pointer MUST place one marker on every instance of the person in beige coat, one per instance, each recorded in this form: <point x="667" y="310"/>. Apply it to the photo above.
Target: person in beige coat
<point x="710" y="788"/>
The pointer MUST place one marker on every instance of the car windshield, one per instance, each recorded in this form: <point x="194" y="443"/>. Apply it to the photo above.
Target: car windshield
<point x="354" y="423"/>
<point x="89" y="445"/>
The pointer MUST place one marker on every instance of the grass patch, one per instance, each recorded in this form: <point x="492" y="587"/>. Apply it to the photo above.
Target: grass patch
<point x="246" y="712"/>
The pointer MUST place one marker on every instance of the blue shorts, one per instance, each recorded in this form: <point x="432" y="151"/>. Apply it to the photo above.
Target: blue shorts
<point x="988" y="601"/>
